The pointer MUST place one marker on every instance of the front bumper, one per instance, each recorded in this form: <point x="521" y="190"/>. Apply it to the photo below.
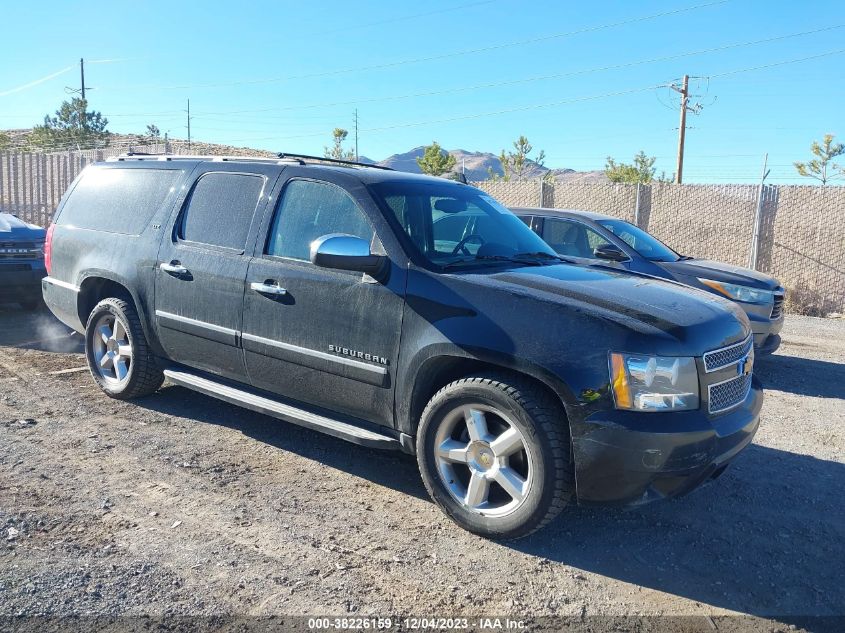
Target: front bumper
<point x="630" y="458"/>
<point x="766" y="330"/>
<point x="21" y="280"/>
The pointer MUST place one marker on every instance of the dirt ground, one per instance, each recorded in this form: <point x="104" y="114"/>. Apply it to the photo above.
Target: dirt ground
<point x="180" y="505"/>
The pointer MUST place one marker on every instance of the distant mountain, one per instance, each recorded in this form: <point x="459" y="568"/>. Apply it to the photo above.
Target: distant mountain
<point x="477" y="166"/>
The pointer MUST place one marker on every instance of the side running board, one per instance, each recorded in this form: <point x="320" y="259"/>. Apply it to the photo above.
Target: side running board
<point x="287" y="412"/>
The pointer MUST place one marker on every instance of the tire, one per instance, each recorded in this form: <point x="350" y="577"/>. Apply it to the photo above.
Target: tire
<point x="131" y="370"/>
<point x="509" y="476"/>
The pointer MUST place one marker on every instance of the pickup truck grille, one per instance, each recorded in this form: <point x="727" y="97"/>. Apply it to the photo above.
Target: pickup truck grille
<point x="729" y="355"/>
<point x="728" y="394"/>
<point x="777" y="308"/>
<point x="20" y="250"/>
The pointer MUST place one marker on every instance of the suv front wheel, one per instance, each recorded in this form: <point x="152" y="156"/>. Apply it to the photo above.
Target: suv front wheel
<point x="118" y="355"/>
<point x="494" y="454"/>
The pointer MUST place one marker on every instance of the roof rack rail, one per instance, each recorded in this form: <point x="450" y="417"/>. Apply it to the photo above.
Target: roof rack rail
<point x="219" y="159"/>
<point x="339" y="161"/>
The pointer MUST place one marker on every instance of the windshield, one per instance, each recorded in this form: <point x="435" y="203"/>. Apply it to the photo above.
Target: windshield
<point x="453" y="224"/>
<point x="646" y="245"/>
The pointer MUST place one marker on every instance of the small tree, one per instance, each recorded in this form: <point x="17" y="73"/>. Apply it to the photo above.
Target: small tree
<point x="336" y="150"/>
<point x="73" y="125"/>
<point x="517" y="164"/>
<point x="435" y="160"/>
<point x="642" y="170"/>
<point x="5" y="141"/>
<point x="824" y="153"/>
<point x="153" y="132"/>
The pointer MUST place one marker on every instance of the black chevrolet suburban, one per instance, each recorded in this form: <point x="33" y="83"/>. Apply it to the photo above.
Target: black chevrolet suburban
<point x="327" y="295"/>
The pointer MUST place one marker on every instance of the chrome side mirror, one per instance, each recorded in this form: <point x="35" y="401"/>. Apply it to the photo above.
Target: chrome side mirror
<point x="345" y="252"/>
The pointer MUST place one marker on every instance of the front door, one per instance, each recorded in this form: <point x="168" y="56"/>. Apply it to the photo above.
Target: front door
<point x="324" y="337"/>
<point x="202" y="265"/>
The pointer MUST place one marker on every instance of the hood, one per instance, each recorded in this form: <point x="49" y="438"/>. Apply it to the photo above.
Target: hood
<point x="13" y="229"/>
<point x="720" y="271"/>
<point x="668" y="313"/>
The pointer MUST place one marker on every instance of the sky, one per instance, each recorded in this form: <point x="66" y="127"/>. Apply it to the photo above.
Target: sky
<point x="582" y="80"/>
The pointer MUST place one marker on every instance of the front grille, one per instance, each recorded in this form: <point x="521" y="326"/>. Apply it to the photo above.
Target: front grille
<point x="728" y="394"/>
<point x="777" y="308"/>
<point x="14" y="267"/>
<point x="36" y="255"/>
<point x="20" y="250"/>
<point x="729" y="355"/>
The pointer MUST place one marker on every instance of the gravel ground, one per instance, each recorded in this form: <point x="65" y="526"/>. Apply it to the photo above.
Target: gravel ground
<point x="180" y="505"/>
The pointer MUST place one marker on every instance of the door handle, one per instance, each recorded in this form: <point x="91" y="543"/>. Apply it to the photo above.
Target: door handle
<point x="265" y="288"/>
<point x="174" y="268"/>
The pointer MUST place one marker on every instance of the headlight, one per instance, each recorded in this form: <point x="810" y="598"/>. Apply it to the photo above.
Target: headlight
<point x="653" y="383"/>
<point x="739" y="293"/>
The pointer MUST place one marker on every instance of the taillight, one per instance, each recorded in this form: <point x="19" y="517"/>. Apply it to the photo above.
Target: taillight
<point x="48" y="249"/>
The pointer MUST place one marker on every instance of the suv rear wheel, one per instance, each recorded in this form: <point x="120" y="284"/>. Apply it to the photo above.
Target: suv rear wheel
<point x="494" y="454"/>
<point x="118" y="355"/>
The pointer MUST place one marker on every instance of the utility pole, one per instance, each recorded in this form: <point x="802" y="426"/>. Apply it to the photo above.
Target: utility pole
<point x="684" y="90"/>
<point x="82" y="87"/>
<point x="82" y="77"/>
<point x="355" y="118"/>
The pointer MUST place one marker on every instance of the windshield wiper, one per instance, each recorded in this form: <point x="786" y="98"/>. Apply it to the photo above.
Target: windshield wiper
<point x="547" y="256"/>
<point x="517" y="259"/>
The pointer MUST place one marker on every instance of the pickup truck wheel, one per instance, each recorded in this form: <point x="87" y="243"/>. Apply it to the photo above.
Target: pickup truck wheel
<point x="118" y="355"/>
<point x="494" y="455"/>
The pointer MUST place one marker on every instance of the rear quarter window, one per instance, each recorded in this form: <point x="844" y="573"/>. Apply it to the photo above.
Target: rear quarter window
<point x="220" y="209"/>
<point x="116" y="200"/>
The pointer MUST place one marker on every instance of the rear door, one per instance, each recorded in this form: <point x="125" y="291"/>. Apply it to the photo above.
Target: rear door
<point x="324" y="337"/>
<point x="202" y="265"/>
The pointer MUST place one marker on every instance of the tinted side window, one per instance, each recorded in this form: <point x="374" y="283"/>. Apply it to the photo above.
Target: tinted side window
<point x="220" y="209"/>
<point x="118" y="200"/>
<point x="571" y="238"/>
<point x="309" y="210"/>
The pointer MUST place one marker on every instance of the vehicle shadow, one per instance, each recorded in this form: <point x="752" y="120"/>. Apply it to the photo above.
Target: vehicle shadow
<point x="391" y="469"/>
<point x="803" y="376"/>
<point x="770" y="531"/>
<point x="37" y="330"/>
<point x="764" y="539"/>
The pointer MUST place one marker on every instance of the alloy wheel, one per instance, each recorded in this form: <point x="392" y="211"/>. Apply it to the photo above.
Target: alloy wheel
<point x="112" y="349"/>
<point x="483" y="460"/>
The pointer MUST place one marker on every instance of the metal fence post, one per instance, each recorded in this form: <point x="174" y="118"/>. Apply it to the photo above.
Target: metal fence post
<point x="637" y="207"/>
<point x="758" y="218"/>
<point x="542" y="193"/>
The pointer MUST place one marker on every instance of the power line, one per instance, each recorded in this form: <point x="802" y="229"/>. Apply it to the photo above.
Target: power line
<point x="773" y="65"/>
<point x="418" y="60"/>
<point x="348" y="28"/>
<point x="513" y="82"/>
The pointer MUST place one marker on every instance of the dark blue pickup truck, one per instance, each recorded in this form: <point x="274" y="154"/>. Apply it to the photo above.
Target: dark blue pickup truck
<point x="21" y="261"/>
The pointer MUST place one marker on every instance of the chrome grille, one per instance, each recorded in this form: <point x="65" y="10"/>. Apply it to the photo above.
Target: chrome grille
<point x="729" y="355"/>
<point x="728" y="394"/>
<point x="777" y="308"/>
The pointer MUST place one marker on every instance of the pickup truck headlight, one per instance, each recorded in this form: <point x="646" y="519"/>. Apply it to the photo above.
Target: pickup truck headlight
<point x="745" y="294"/>
<point x="653" y="383"/>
